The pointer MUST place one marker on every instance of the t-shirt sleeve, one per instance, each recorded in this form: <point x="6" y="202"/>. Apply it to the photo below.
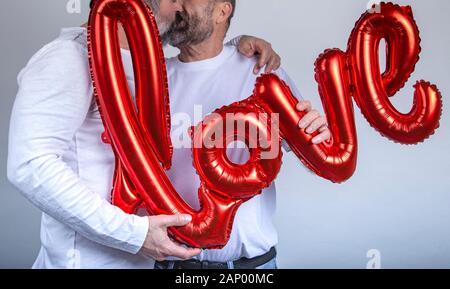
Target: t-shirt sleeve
<point x="284" y="76"/>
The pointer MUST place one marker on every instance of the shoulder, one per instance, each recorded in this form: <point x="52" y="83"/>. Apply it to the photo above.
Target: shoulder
<point x="240" y="59"/>
<point x="65" y="54"/>
<point x="248" y="63"/>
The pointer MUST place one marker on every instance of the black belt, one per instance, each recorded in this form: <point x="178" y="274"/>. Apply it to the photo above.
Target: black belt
<point x="243" y="263"/>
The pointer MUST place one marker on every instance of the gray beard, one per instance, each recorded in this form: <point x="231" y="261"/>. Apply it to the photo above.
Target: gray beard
<point x="165" y="37"/>
<point x="198" y="30"/>
<point x="190" y="37"/>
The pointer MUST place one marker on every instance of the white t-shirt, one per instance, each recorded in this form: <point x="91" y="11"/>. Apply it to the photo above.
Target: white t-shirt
<point x="206" y="86"/>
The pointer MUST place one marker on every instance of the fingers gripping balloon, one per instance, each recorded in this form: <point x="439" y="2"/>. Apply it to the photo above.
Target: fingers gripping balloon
<point x="141" y="140"/>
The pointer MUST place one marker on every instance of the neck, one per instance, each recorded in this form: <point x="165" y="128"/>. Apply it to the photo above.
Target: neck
<point x="122" y="37"/>
<point x="207" y="49"/>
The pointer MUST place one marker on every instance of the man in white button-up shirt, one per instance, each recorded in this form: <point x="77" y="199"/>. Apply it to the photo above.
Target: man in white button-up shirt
<point x="59" y="162"/>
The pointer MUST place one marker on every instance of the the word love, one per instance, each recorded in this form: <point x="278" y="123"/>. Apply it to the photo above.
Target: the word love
<point x="141" y="141"/>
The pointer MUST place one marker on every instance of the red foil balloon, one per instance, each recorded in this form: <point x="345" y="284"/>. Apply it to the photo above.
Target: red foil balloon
<point x="396" y="25"/>
<point x="139" y="176"/>
<point x="141" y="141"/>
<point x="334" y="160"/>
<point x="357" y="72"/>
<point x="154" y="112"/>
<point x="242" y="121"/>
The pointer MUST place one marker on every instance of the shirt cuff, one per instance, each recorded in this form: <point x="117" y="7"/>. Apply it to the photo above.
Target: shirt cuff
<point x="138" y="235"/>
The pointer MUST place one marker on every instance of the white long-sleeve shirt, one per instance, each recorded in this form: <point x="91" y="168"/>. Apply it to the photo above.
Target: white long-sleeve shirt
<point x="59" y="162"/>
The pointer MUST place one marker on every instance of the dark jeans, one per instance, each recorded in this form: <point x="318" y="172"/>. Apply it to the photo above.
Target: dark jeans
<point x="272" y="264"/>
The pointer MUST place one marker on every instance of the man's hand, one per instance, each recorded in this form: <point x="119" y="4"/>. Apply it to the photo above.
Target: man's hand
<point x="251" y="46"/>
<point x="159" y="246"/>
<point x="312" y="122"/>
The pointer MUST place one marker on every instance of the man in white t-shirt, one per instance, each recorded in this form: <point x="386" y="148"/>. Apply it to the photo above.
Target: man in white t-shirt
<point x="59" y="162"/>
<point x="218" y="75"/>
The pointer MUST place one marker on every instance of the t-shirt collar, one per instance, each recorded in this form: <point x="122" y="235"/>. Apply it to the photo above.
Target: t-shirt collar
<point x="210" y="63"/>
